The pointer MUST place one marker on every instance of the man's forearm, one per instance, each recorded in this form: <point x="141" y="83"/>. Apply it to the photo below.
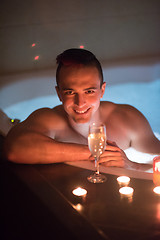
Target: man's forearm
<point x="35" y="148"/>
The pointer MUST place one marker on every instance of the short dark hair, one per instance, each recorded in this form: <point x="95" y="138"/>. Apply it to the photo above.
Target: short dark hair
<point x="75" y="56"/>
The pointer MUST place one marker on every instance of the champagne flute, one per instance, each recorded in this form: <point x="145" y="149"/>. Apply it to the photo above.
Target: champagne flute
<point x="96" y="144"/>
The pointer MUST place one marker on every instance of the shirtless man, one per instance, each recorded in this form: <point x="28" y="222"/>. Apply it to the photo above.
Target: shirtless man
<point x="60" y="134"/>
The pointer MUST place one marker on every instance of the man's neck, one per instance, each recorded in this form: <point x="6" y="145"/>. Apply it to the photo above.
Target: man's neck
<point x="83" y="128"/>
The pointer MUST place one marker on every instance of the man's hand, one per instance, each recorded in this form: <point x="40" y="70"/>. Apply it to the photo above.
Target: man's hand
<point x="113" y="156"/>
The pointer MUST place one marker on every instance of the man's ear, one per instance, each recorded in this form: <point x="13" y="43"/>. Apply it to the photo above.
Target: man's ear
<point x="103" y="89"/>
<point x="58" y="93"/>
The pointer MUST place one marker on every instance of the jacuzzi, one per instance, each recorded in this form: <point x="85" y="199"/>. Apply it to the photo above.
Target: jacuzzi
<point x="134" y="84"/>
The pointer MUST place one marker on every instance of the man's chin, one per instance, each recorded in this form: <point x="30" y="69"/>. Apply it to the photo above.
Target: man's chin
<point x="81" y="120"/>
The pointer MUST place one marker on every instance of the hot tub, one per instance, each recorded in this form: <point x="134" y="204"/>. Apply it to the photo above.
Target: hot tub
<point x="137" y="85"/>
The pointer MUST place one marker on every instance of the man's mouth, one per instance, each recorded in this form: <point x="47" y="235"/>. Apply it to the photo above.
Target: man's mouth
<point x="82" y="111"/>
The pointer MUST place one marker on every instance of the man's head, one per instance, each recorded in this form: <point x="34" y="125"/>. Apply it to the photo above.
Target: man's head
<point x="80" y="84"/>
<point x="75" y="57"/>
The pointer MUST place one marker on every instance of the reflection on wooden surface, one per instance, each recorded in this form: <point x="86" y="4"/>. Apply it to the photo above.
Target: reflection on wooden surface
<point x="113" y="170"/>
<point x="103" y="213"/>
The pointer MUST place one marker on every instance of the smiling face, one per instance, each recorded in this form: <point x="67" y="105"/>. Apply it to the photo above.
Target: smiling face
<point x="80" y="92"/>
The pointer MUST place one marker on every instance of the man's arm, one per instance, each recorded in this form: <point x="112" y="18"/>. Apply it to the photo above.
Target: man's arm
<point x="142" y="136"/>
<point x="29" y="142"/>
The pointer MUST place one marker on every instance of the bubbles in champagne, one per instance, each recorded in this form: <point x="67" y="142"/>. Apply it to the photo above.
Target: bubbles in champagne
<point x="96" y="143"/>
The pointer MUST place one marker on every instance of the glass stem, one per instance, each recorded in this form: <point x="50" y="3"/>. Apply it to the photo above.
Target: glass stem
<point x="97" y="165"/>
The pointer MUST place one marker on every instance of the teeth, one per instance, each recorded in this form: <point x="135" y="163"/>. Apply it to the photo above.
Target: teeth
<point x="81" y="111"/>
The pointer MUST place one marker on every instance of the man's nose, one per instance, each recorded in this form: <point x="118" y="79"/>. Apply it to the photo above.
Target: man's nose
<point x="80" y="100"/>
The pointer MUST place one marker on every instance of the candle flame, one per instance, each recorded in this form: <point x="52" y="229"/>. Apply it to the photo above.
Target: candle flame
<point x="79" y="191"/>
<point x="157" y="190"/>
<point x="123" y="179"/>
<point x="126" y="190"/>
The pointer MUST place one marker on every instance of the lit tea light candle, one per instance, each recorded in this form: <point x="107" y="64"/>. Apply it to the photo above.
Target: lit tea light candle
<point x="79" y="192"/>
<point x="123" y="180"/>
<point x="157" y="190"/>
<point x="126" y="191"/>
<point x="156" y="170"/>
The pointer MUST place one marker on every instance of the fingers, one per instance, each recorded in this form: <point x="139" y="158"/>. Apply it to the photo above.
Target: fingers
<point x="91" y="158"/>
<point x="111" y="158"/>
<point x="112" y="148"/>
<point x="112" y="151"/>
<point x="118" y="163"/>
<point x="107" y="156"/>
<point x="111" y="143"/>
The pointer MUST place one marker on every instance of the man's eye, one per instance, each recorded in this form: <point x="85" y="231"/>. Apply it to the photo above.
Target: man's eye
<point x="69" y="93"/>
<point x="90" y="91"/>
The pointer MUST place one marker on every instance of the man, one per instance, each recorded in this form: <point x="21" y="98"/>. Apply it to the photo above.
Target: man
<point x="60" y="134"/>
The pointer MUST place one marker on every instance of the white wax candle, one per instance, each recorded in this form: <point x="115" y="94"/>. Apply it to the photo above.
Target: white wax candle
<point x="79" y="191"/>
<point x="126" y="191"/>
<point x="123" y="180"/>
<point x="157" y="190"/>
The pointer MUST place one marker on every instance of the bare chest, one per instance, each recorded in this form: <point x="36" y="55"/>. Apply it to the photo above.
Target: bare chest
<point x="70" y="136"/>
<point x="119" y="135"/>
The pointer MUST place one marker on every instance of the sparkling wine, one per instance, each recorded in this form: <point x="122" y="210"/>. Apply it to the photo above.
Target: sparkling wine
<point x="96" y="143"/>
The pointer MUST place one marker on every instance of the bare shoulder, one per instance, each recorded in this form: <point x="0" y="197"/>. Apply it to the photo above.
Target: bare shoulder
<point x="127" y="126"/>
<point x="47" y="114"/>
<point x="44" y="120"/>
<point x="123" y="114"/>
<point x="107" y="108"/>
<point x="130" y="115"/>
<point x="129" y="112"/>
<point x="48" y="117"/>
<point x="133" y="122"/>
